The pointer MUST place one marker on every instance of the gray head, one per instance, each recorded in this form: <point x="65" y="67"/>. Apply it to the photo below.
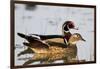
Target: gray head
<point x="75" y="37"/>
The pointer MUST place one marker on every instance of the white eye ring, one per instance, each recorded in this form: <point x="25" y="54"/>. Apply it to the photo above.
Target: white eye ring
<point x="75" y="35"/>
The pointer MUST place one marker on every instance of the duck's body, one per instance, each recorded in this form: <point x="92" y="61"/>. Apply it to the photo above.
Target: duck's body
<point x="55" y="52"/>
<point x="53" y="38"/>
<point x="52" y="51"/>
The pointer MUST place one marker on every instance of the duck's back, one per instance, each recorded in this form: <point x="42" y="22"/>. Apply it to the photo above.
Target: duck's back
<point x="58" y="53"/>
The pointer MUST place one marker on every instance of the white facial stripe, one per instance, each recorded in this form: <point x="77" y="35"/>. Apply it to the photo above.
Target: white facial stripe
<point x="66" y="31"/>
<point x="66" y="41"/>
<point x="67" y="26"/>
<point x="63" y="26"/>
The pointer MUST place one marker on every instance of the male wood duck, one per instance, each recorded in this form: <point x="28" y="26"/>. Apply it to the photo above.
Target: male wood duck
<point x="54" y="38"/>
<point x="52" y="51"/>
<point x="65" y="33"/>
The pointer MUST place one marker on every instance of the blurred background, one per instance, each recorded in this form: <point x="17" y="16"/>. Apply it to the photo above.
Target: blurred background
<point x="45" y="19"/>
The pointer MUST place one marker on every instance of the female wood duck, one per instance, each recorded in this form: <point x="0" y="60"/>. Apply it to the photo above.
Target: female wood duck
<point x="53" y="51"/>
<point x="54" y="38"/>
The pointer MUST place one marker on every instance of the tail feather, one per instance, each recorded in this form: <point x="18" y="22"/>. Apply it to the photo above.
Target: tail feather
<point x="28" y="38"/>
<point x="21" y="35"/>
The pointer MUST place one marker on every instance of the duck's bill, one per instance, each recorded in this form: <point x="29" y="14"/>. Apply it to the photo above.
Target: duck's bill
<point x="76" y="28"/>
<point x="83" y="39"/>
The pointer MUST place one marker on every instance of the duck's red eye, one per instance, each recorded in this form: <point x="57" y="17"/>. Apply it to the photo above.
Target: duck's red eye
<point x="68" y="24"/>
<point x="71" y="25"/>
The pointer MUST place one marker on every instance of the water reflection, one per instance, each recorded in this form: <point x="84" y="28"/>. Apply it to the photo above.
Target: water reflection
<point x="44" y="58"/>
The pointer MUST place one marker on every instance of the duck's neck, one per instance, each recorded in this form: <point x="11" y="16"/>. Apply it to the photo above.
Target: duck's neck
<point x="67" y="35"/>
<point x="66" y="30"/>
<point x="72" y="41"/>
<point x="70" y="45"/>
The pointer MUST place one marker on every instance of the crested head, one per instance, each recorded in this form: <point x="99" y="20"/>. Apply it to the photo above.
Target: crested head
<point x="68" y="25"/>
<point x="75" y="37"/>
